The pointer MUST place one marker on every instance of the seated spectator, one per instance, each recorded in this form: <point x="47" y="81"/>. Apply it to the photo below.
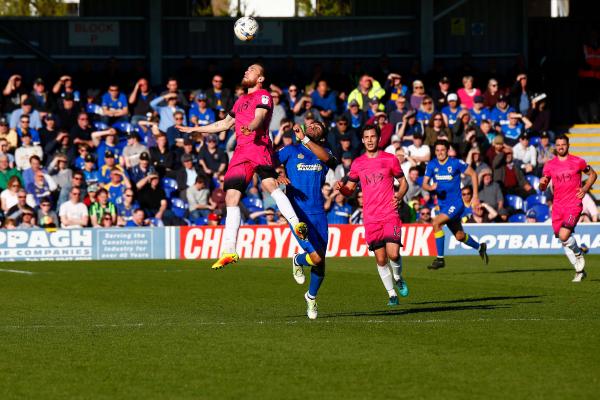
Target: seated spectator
<point x="520" y="94"/>
<point x="538" y="114"/>
<point x="173" y="89"/>
<point x="324" y="100"/>
<point x="5" y="152"/>
<point x="43" y="101"/>
<point x="91" y="195"/>
<point x="107" y="221"/>
<point x="410" y="126"/>
<point x="68" y="111"/>
<point x="212" y="159"/>
<point x="189" y="147"/>
<point x="467" y="93"/>
<point x="357" y="217"/>
<point x="131" y="153"/>
<point x="200" y="114"/>
<point x="500" y="113"/>
<point x="81" y="133"/>
<point x="424" y="216"/>
<point x="64" y="86"/>
<point x="126" y="208"/>
<point x="437" y="129"/>
<point x="117" y="186"/>
<point x="491" y="94"/>
<point x="517" y="124"/>
<point x="589" y="208"/>
<point x="213" y="219"/>
<point x="114" y="105"/>
<point x="153" y="199"/>
<point x="279" y="113"/>
<point x="425" y="110"/>
<point x="49" y="131"/>
<point x="386" y="130"/>
<point x="467" y="198"/>
<point x="219" y="96"/>
<point x="479" y="112"/>
<point x="344" y="167"/>
<point x="367" y="89"/>
<point x="22" y="204"/>
<point x="524" y="154"/>
<point x="27" y="219"/>
<point x="304" y="109"/>
<point x="395" y="144"/>
<point x="9" y="135"/>
<point x="414" y="189"/>
<point x="440" y="95"/>
<point x="531" y="217"/>
<point x="59" y="170"/>
<point x="451" y="111"/>
<point x="355" y="116"/>
<point x="198" y="198"/>
<point x="100" y="208"/>
<point x="395" y="89"/>
<point x="218" y="195"/>
<point x="484" y="130"/>
<point x="374" y="104"/>
<point x="6" y="172"/>
<point x="405" y="163"/>
<point x="342" y="129"/>
<point x="418" y="94"/>
<point x="489" y="191"/>
<point x="475" y="160"/>
<point x="76" y="181"/>
<point x="90" y="174"/>
<point x="142" y="169"/>
<point x="139" y="100"/>
<point x="13" y="92"/>
<point x="418" y="153"/>
<point x="138" y="219"/>
<point x="46" y="217"/>
<point x="292" y="96"/>
<point x="187" y="174"/>
<point x="26" y="151"/>
<point x="545" y="153"/>
<point x="34" y="119"/>
<point x="110" y="163"/>
<point x="161" y="158"/>
<point x="340" y="211"/>
<point x="482" y="213"/>
<point x="35" y="165"/>
<point x="167" y="112"/>
<point x="509" y="176"/>
<point x="9" y="223"/>
<point x="400" y="108"/>
<point x="40" y="188"/>
<point x="106" y="141"/>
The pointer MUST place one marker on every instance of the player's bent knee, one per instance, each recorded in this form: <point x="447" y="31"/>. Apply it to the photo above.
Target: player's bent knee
<point x="460" y="236"/>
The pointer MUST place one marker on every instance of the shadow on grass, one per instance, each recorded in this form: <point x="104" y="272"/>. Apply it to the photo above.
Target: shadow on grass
<point x="420" y="310"/>
<point x="516" y="271"/>
<point x="478" y="299"/>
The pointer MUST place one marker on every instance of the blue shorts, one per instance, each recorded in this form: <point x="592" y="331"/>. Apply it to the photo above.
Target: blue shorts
<point x="318" y="232"/>
<point x="454" y="211"/>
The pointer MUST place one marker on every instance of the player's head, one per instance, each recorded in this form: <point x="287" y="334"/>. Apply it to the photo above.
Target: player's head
<point x="441" y="149"/>
<point x="254" y="76"/>
<point x="370" y="137"/>
<point x="562" y="145"/>
<point x="316" y="131"/>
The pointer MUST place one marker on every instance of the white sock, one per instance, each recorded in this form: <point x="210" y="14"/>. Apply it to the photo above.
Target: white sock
<point x="386" y="278"/>
<point x="396" y="268"/>
<point x="571" y="243"/>
<point x="232" y="226"/>
<point x="284" y="205"/>
<point x="570" y="254"/>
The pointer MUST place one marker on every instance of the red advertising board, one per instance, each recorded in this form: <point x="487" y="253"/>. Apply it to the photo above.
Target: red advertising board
<point x="278" y="242"/>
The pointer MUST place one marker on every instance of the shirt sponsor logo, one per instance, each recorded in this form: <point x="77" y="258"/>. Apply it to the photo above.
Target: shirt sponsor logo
<point x="309" y="167"/>
<point x="264" y="99"/>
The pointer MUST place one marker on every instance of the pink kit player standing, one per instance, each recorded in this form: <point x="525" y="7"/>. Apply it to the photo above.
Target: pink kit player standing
<point x="376" y="171"/>
<point x="253" y="153"/>
<point x="565" y="173"/>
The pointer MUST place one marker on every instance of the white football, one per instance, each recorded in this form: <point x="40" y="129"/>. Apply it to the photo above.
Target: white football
<point x="245" y="28"/>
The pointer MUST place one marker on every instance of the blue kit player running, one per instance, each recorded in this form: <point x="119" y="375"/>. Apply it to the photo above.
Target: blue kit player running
<point x="306" y="165"/>
<point x="442" y="176"/>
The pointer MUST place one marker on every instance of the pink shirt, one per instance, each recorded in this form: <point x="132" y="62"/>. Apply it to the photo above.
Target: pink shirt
<point x="465" y="98"/>
<point x="376" y="176"/>
<point x="566" y="179"/>
<point x="244" y="111"/>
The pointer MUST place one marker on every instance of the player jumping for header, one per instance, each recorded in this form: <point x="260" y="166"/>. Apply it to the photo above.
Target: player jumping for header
<point x="565" y="172"/>
<point x="306" y="166"/>
<point x="376" y="170"/>
<point x="445" y="172"/>
<point x="253" y="153"/>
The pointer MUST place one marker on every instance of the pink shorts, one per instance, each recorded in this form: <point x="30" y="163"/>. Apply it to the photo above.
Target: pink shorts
<point x="377" y="234"/>
<point x="565" y="217"/>
<point x="247" y="161"/>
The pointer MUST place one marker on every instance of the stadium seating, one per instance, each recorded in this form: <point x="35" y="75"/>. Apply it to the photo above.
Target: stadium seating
<point x="542" y="212"/>
<point x="169" y="186"/>
<point x="534" y="141"/>
<point x="534" y="200"/>
<point x="100" y="126"/>
<point x="534" y="181"/>
<point x="253" y="203"/>
<point x="517" y="218"/>
<point x="92" y="108"/>
<point x="514" y="201"/>
<point x="123" y="126"/>
<point x="179" y="207"/>
<point x="202" y="221"/>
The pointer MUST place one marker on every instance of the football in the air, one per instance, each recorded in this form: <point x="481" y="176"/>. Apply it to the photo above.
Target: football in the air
<point x="245" y="28"/>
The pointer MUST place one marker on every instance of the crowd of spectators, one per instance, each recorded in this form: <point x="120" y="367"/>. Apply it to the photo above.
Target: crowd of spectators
<point x="76" y="155"/>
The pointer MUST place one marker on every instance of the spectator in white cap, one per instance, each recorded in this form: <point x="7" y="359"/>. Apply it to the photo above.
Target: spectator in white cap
<point x="395" y="144"/>
<point x="452" y="110"/>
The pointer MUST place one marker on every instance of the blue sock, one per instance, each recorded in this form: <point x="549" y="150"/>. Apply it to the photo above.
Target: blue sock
<point x="469" y="241"/>
<point x="316" y="278"/>
<point x="303" y="259"/>
<point x="439" y="243"/>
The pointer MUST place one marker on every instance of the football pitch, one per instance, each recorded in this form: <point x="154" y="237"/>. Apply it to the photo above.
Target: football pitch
<point x="517" y="329"/>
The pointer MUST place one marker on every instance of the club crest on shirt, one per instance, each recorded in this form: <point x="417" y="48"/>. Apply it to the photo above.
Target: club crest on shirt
<point x="449" y="169"/>
<point x="265" y="99"/>
<point x="300" y="156"/>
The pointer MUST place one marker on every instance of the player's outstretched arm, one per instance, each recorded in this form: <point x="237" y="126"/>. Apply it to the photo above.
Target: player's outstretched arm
<point x="318" y="150"/>
<point x="475" y="184"/>
<point x="589" y="183"/>
<point x="215" y="127"/>
<point x="427" y="186"/>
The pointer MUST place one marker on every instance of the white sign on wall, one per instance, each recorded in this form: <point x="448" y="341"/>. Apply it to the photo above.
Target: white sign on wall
<point x="93" y="33"/>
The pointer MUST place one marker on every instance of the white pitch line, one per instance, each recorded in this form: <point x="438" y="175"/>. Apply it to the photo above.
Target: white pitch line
<point x="17" y="271"/>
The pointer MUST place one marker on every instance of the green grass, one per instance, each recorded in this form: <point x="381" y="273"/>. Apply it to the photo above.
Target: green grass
<point x="517" y="329"/>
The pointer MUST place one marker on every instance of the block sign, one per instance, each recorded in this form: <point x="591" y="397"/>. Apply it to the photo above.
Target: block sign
<point x="93" y="33"/>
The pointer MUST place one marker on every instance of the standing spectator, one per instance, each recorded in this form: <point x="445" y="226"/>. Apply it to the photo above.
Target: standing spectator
<point x="73" y="213"/>
<point x="395" y="89"/>
<point x="64" y="86"/>
<point x="198" y="197"/>
<point x="102" y="207"/>
<point x="10" y="135"/>
<point x="490" y="192"/>
<point x="6" y="172"/>
<point x="279" y="113"/>
<point x="467" y="93"/>
<point x="68" y="111"/>
<point x="517" y="124"/>
<point x="212" y="159"/>
<point x="139" y="100"/>
<point x="46" y="217"/>
<point x="35" y="120"/>
<point x="114" y="105"/>
<point x="440" y="95"/>
<point x="132" y="152"/>
<point x="324" y="100"/>
<point x="452" y="110"/>
<point x="538" y="114"/>
<point x="418" y="94"/>
<point x="173" y="89"/>
<point x="27" y="150"/>
<point x="106" y="141"/>
<point x="200" y="114"/>
<point x="219" y="96"/>
<point x="437" y="129"/>
<point x="43" y="101"/>
<point x="366" y="90"/>
<point x="524" y="154"/>
<point x="82" y="132"/>
<point x="340" y="211"/>
<point x="13" y="94"/>
<point x="127" y="208"/>
<point x="491" y="94"/>
<point x="167" y="112"/>
<point x="520" y="95"/>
